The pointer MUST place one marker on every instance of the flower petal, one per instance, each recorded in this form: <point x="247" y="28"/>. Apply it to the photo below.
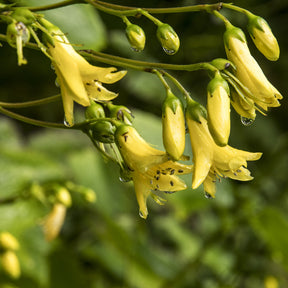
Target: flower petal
<point x="97" y="92"/>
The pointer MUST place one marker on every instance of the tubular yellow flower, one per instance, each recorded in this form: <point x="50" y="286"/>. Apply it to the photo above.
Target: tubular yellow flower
<point x="54" y="221"/>
<point x="218" y="108"/>
<point x="211" y="160"/>
<point x="263" y="37"/>
<point x="173" y="123"/>
<point x="150" y="169"/>
<point x="247" y="69"/>
<point x="79" y="81"/>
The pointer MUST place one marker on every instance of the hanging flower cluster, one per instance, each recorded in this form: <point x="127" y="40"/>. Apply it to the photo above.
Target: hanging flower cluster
<point x="237" y="81"/>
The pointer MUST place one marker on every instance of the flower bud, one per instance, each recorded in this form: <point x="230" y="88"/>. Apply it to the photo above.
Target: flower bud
<point x="10" y="264"/>
<point x="136" y="37"/>
<point x="103" y="131"/>
<point x="121" y="113"/>
<point x="222" y="64"/>
<point x="8" y="242"/>
<point x="218" y="108"/>
<point x="94" y="111"/>
<point x="63" y="196"/>
<point x="16" y="33"/>
<point x="263" y="37"/>
<point x="23" y="15"/>
<point x="173" y="125"/>
<point x="168" y="38"/>
<point x="195" y="111"/>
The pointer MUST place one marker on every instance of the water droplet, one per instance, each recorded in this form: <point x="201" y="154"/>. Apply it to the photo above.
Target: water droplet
<point x="124" y="180"/>
<point x="142" y="215"/>
<point x="57" y="83"/>
<point x="67" y="123"/>
<point x="246" y="121"/>
<point x="52" y="66"/>
<point x="169" y="52"/>
<point x="208" y="195"/>
<point x="136" y="49"/>
<point x="169" y="192"/>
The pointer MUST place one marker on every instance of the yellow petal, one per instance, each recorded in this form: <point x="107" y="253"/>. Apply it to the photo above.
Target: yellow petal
<point x="97" y="92"/>
<point x="210" y="185"/>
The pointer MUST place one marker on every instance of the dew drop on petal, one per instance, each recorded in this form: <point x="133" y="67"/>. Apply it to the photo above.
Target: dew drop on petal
<point x="246" y="121"/>
<point x="169" y="52"/>
<point x="52" y="66"/>
<point x="124" y="180"/>
<point x="67" y="123"/>
<point x="141" y="214"/>
<point x="207" y="195"/>
<point x="57" y="83"/>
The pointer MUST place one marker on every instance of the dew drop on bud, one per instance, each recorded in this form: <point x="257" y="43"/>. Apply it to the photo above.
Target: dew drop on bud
<point x="52" y="66"/>
<point x="207" y="195"/>
<point x="246" y="121"/>
<point x="169" y="52"/>
<point x="124" y="180"/>
<point x="135" y="49"/>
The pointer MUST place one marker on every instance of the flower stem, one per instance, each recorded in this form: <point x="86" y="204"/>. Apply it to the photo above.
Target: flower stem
<point x="33" y="121"/>
<point x="236" y="8"/>
<point x="30" y="103"/>
<point x="54" y="6"/>
<point x="143" y="65"/>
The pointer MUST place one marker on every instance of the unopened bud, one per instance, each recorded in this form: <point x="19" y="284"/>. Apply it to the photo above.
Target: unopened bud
<point x="222" y="64"/>
<point x="173" y="123"/>
<point x="8" y="242"/>
<point x="121" y="113"/>
<point x="94" y="111"/>
<point x="195" y="111"/>
<point x="136" y="37"/>
<point x="103" y="131"/>
<point x="168" y="38"/>
<point x="263" y="37"/>
<point x="10" y="264"/>
<point x="218" y="108"/>
<point x="63" y="196"/>
<point x="23" y="15"/>
<point x="17" y="32"/>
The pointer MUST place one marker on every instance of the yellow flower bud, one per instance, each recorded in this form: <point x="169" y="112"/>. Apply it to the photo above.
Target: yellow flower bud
<point x="10" y="264"/>
<point x="173" y="125"/>
<point x="263" y="37"/>
<point x="168" y="38"/>
<point x="63" y="196"/>
<point x="218" y="109"/>
<point x="136" y="37"/>
<point x="8" y="242"/>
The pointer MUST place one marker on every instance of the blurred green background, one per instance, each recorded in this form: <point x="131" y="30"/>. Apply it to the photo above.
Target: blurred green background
<point x="239" y="239"/>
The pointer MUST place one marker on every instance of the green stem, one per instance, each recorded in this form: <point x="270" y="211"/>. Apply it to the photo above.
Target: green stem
<point x="143" y="65"/>
<point x="54" y="6"/>
<point x="236" y="8"/>
<point x="160" y="76"/>
<point x="221" y="17"/>
<point x="30" y="103"/>
<point x="194" y="8"/>
<point x="33" y="121"/>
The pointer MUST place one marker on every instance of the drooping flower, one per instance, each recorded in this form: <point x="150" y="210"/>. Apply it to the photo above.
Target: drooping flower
<point x="79" y="80"/>
<point x="173" y="126"/>
<point x="263" y="93"/>
<point x="218" y="108"/>
<point x="263" y="37"/>
<point x="210" y="160"/>
<point x="150" y="169"/>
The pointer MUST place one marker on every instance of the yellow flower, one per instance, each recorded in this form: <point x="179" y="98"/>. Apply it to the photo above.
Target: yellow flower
<point x="10" y="264"/>
<point x="263" y="37"/>
<point x="173" y="123"/>
<point x="218" y="108"/>
<point x="150" y="169"/>
<point x="79" y="81"/>
<point x="210" y="160"/>
<point x="247" y="69"/>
